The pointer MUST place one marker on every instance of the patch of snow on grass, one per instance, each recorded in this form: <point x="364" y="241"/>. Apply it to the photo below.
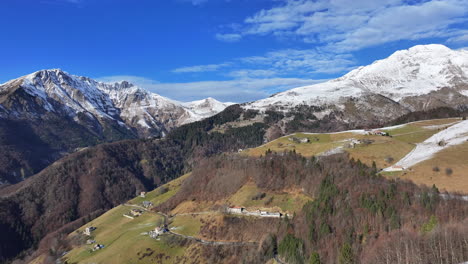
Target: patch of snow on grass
<point x="454" y="135"/>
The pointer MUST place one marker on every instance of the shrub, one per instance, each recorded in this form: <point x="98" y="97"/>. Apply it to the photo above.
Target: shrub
<point x="448" y="171"/>
<point x="259" y="196"/>
<point x="315" y="258"/>
<point x="162" y="190"/>
<point x="389" y="159"/>
<point x="346" y="254"/>
<point x="435" y="169"/>
<point x="430" y="225"/>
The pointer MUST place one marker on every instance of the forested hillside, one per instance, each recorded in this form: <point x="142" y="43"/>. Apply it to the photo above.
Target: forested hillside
<point x="98" y="178"/>
<point x="356" y="216"/>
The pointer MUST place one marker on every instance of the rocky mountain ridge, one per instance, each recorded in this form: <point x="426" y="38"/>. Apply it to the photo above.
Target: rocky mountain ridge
<point x="130" y="106"/>
<point x="49" y="113"/>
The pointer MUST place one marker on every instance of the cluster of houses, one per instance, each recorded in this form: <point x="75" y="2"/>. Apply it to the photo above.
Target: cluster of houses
<point x="377" y="132"/>
<point x="157" y="232"/>
<point x="260" y="213"/>
<point x="353" y="143"/>
<point x="87" y="232"/>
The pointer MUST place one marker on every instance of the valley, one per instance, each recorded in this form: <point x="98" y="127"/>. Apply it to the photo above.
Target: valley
<point x="198" y="223"/>
<point x="335" y="172"/>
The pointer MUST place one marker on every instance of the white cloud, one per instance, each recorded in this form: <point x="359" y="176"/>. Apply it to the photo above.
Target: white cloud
<point x="200" y="68"/>
<point x="461" y="38"/>
<point x="229" y="37"/>
<point x="280" y="63"/>
<point x="343" y="25"/>
<point x="303" y="62"/>
<point x="248" y="73"/>
<point x="236" y="90"/>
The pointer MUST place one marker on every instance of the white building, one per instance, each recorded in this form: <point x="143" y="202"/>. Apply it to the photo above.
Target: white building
<point x="235" y="210"/>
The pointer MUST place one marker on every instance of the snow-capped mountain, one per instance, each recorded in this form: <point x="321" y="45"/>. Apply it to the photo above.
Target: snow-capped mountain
<point x="130" y="106"/>
<point x="49" y="113"/>
<point x="417" y="71"/>
<point x="206" y="107"/>
<point x="418" y="79"/>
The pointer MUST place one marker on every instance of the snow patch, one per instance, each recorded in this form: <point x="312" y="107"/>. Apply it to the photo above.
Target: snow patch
<point x="452" y="136"/>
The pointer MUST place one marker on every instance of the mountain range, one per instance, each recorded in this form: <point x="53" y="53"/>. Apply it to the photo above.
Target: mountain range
<point x="49" y="113"/>
<point x="59" y="127"/>
<point x="421" y="78"/>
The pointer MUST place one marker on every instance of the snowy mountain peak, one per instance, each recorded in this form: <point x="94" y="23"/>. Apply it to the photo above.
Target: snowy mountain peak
<point x="429" y="48"/>
<point x="63" y="93"/>
<point x="412" y="72"/>
<point x="206" y="107"/>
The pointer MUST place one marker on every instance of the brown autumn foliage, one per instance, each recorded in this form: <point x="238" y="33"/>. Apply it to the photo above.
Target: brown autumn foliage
<point x="98" y="178"/>
<point x="79" y="186"/>
<point x="228" y="229"/>
<point x="355" y="216"/>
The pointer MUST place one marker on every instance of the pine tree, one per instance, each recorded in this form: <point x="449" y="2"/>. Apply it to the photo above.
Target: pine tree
<point x="315" y="258"/>
<point x="346" y="254"/>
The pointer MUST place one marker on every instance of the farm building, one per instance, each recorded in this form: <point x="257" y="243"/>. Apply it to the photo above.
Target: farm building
<point x="136" y="212"/>
<point x="353" y="143"/>
<point x="143" y="194"/>
<point x="268" y="214"/>
<point x="147" y="204"/>
<point x="377" y="132"/>
<point x="299" y="139"/>
<point x="395" y="168"/>
<point x="157" y="232"/>
<point x="97" y="247"/>
<point x="88" y="230"/>
<point x="236" y="210"/>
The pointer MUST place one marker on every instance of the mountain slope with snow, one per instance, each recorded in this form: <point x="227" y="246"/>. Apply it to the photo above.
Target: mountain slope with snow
<point x="132" y="107"/>
<point x="49" y="113"/>
<point x="451" y="136"/>
<point x="422" y="78"/>
<point x="206" y="107"/>
<point x="406" y="73"/>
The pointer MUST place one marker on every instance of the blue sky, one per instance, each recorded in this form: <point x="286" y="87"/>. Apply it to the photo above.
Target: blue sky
<point x="232" y="50"/>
